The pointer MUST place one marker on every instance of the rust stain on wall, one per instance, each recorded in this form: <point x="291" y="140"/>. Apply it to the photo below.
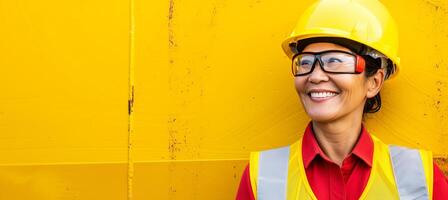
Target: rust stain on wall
<point x="173" y="144"/>
<point x="131" y="101"/>
<point x="171" y="42"/>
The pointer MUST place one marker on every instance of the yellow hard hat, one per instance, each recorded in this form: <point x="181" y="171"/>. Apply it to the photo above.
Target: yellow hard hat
<point x="364" y="21"/>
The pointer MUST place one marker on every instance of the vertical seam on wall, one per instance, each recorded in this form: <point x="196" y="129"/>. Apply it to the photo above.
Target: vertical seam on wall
<point x="131" y="97"/>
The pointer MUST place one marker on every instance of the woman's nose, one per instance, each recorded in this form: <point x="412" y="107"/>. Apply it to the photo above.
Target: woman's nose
<point x="317" y="75"/>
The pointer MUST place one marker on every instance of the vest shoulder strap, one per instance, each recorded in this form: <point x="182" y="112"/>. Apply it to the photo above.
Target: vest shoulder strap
<point x="272" y="173"/>
<point x="409" y="173"/>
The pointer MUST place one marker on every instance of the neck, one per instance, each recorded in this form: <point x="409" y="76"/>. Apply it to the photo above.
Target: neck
<point x="337" y="138"/>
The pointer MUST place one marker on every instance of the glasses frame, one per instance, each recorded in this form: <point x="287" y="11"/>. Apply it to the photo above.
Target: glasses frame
<point x="360" y="63"/>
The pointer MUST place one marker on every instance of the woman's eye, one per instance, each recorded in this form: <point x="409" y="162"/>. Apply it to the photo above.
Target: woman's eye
<point x="334" y="60"/>
<point x="305" y="62"/>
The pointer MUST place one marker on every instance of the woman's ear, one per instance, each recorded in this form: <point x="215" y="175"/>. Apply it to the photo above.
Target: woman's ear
<point x="375" y="82"/>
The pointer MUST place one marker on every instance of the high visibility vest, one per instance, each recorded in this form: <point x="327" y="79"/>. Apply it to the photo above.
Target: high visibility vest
<point x="396" y="173"/>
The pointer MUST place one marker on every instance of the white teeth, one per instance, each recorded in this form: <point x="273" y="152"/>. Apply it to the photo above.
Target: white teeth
<point x="322" y="94"/>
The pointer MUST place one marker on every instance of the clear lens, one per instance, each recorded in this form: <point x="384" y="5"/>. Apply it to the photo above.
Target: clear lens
<point x="338" y="62"/>
<point x="303" y="63"/>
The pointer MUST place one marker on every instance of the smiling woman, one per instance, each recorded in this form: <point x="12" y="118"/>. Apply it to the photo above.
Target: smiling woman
<point x="340" y="65"/>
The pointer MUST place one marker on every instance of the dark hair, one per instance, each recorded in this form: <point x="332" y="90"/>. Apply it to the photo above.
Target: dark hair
<point x="373" y="104"/>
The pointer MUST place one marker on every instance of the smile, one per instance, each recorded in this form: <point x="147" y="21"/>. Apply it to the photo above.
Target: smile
<point x="322" y="94"/>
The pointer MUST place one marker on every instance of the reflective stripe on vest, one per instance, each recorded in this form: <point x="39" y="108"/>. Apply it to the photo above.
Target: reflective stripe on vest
<point x="272" y="174"/>
<point x="409" y="173"/>
<point x="406" y="163"/>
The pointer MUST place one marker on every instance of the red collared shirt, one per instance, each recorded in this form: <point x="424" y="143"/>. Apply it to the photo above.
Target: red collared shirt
<point x="329" y="181"/>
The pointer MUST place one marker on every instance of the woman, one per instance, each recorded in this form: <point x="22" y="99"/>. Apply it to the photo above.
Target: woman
<point x="342" y="52"/>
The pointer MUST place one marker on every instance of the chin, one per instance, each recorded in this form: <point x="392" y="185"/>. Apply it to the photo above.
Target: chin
<point x="321" y="116"/>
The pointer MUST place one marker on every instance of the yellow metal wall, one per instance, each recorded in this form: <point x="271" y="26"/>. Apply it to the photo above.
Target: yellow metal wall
<point x="210" y="85"/>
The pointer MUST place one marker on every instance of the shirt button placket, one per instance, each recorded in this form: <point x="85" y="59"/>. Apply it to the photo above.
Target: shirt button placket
<point x="337" y="186"/>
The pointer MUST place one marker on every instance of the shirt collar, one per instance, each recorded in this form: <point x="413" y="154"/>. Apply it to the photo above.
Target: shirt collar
<point x="310" y="148"/>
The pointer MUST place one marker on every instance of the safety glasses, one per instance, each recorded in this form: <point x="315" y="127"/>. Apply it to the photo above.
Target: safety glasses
<point x="332" y="61"/>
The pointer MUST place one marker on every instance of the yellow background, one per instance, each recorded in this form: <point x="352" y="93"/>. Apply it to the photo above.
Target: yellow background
<point x="211" y="84"/>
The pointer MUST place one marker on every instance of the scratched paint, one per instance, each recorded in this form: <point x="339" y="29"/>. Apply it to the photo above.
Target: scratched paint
<point x="171" y="42"/>
<point x="131" y="100"/>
